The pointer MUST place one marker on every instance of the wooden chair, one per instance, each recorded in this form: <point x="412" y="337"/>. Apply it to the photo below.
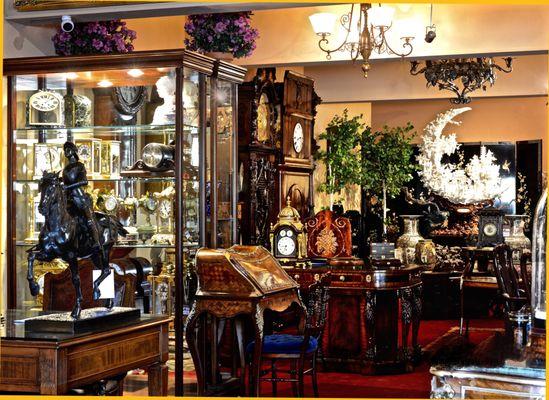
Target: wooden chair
<point x="59" y="296"/>
<point x="300" y="351"/>
<point x="526" y="274"/>
<point x="59" y="292"/>
<point x="512" y="291"/>
<point x="474" y="280"/>
<point x="330" y="237"/>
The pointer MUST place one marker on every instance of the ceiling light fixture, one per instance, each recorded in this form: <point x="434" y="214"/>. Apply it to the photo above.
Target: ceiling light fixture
<point x="104" y="83"/>
<point x="469" y="73"/>
<point x="71" y="75"/>
<point x="365" y="29"/>
<point x="135" y="73"/>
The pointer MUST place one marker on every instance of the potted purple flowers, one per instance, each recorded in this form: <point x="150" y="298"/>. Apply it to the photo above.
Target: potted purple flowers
<point x="103" y="37"/>
<point x="223" y="36"/>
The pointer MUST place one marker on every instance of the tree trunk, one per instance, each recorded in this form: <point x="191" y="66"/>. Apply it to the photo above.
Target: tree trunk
<point x="384" y="211"/>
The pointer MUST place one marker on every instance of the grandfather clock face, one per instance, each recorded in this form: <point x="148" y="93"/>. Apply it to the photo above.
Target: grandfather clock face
<point x="285" y="243"/>
<point x="296" y="141"/>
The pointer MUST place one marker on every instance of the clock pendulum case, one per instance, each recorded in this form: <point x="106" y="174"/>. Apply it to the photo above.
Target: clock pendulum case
<point x="296" y="166"/>
<point x="276" y="123"/>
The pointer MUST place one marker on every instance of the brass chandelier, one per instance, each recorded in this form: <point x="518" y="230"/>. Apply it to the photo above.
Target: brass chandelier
<point x="365" y="28"/>
<point x="469" y="73"/>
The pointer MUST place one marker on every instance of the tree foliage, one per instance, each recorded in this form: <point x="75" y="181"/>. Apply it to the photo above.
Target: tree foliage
<point x="373" y="159"/>
<point x="386" y="159"/>
<point x="342" y="159"/>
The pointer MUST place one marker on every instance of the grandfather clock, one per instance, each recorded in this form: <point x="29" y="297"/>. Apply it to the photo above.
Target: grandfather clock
<point x="275" y="142"/>
<point x="295" y="170"/>
<point x="258" y="155"/>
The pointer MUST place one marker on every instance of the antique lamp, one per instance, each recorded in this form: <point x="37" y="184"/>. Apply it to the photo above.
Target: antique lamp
<point x="365" y="28"/>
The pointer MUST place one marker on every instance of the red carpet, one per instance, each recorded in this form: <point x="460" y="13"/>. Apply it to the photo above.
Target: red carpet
<point x="416" y="384"/>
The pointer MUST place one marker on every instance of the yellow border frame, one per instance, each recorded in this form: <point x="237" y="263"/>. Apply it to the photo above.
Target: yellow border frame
<point x="3" y="148"/>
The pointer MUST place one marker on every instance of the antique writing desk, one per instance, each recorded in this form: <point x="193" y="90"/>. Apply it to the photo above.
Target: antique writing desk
<point x="367" y="311"/>
<point x="241" y="280"/>
<point x="54" y="363"/>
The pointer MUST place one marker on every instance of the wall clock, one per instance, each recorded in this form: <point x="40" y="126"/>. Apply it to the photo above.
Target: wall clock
<point x="298" y="138"/>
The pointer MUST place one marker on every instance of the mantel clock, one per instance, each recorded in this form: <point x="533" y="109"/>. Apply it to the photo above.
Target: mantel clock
<point x="288" y="237"/>
<point x="490" y="227"/>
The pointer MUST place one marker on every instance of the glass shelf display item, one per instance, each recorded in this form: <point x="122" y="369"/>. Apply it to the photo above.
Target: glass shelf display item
<point x="152" y="143"/>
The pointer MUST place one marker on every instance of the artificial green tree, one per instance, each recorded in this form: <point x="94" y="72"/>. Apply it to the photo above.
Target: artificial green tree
<point x="386" y="162"/>
<point x="342" y="157"/>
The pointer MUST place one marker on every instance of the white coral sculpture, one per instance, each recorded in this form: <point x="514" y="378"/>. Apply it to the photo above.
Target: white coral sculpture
<point x="477" y="181"/>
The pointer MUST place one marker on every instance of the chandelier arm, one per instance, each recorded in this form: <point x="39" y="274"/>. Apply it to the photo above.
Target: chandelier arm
<point x="405" y="45"/>
<point x="345" y="17"/>
<point x="414" y="68"/>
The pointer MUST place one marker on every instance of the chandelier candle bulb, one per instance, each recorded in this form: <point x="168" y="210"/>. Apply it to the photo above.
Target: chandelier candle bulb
<point x="323" y="23"/>
<point x="381" y="17"/>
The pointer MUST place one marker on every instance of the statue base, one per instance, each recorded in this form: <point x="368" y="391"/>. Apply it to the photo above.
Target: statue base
<point x="91" y="319"/>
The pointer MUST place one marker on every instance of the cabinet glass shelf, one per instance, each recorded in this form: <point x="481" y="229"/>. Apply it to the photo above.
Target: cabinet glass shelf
<point x="122" y="245"/>
<point x="122" y="179"/>
<point x="30" y="133"/>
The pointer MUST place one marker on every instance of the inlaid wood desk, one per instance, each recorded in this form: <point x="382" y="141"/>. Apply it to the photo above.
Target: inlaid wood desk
<point x="54" y="363"/>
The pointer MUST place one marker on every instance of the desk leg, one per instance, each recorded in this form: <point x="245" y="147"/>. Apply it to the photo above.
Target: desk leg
<point x="416" y="319"/>
<point x="158" y="380"/>
<point x="192" y="343"/>
<point x="49" y="373"/>
<point x="255" y="367"/>
<point x="239" y="333"/>
<point x="406" y="309"/>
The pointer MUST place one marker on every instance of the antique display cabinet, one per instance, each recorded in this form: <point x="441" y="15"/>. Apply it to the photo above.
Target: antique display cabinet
<point x="157" y="134"/>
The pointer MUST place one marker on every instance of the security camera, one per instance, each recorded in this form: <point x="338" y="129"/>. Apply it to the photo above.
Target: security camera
<point x="66" y="23"/>
<point x="430" y="34"/>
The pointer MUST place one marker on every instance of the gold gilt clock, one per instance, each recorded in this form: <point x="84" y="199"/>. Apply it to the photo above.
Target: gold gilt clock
<point x="288" y="236"/>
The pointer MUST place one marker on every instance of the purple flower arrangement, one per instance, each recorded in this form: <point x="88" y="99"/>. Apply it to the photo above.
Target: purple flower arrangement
<point x="103" y="37"/>
<point x="223" y="32"/>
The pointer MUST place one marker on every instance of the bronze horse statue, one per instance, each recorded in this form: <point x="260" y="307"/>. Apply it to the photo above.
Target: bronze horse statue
<point x="66" y="236"/>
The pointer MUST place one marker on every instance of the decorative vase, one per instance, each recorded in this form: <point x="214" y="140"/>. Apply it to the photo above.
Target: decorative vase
<point x="220" y="55"/>
<point x="409" y="239"/>
<point x="517" y="240"/>
<point x="425" y="252"/>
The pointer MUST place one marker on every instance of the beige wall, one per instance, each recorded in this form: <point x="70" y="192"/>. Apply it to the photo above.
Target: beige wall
<point x="490" y="120"/>
<point x="350" y="198"/>
<point x="286" y="36"/>
<point x="391" y="80"/>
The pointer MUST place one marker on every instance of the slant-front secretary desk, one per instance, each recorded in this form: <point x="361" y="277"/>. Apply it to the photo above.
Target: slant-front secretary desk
<point x="239" y="281"/>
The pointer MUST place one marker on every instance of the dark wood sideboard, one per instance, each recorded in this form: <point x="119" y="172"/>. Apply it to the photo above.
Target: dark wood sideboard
<point x="366" y="312"/>
<point x="55" y="363"/>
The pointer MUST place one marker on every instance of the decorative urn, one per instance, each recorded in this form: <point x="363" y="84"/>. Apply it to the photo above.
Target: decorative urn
<point x="409" y="239"/>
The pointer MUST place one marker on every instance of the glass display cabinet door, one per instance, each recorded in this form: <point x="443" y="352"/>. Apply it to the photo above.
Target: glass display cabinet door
<point x="123" y="123"/>
<point x="225" y="163"/>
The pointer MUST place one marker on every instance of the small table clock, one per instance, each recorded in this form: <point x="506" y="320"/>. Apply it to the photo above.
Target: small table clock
<point x="288" y="237"/>
<point x="490" y="227"/>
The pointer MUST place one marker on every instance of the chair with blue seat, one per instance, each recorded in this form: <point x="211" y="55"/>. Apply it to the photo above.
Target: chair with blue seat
<point x="300" y="350"/>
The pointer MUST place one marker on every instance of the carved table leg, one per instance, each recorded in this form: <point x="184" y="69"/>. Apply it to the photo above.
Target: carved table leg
<point x="406" y="307"/>
<point x="158" y="380"/>
<point x="416" y="319"/>
<point x="255" y="367"/>
<point x="370" y="352"/>
<point x="192" y="343"/>
<point x="239" y="333"/>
